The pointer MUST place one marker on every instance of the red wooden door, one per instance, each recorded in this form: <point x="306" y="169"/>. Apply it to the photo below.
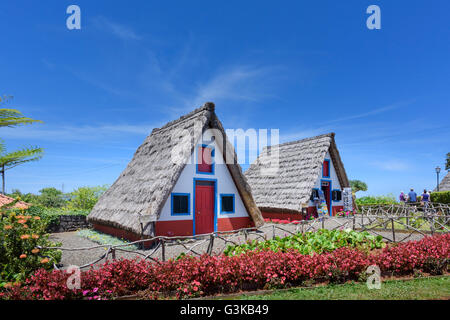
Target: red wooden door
<point x="204" y="209"/>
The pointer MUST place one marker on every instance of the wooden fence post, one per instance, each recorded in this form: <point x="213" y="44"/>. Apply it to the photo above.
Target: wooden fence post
<point x="354" y="222"/>
<point x="113" y="254"/>
<point x="393" y="229"/>
<point x="273" y="232"/>
<point x="163" y="250"/>
<point x="211" y="243"/>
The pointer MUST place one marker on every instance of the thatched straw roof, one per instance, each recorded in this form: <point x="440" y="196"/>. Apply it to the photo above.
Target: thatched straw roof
<point x="140" y="192"/>
<point x="445" y="183"/>
<point x="300" y="164"/>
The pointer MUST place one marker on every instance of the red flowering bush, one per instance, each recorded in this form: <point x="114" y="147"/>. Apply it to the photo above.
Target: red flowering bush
<point x="206" y="275"/>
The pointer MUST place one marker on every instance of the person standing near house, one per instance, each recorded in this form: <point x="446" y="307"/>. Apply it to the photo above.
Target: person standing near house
<point x="412" y="196"/>
<point x="402" y="197"/>
<point x="425" y="198"/>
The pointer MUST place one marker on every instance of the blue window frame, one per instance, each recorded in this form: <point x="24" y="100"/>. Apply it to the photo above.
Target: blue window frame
<point x="180" y="204"/>
<point x="329" y="169"/>
<point x="226" y="203"/>
<point x="212" y="159"/>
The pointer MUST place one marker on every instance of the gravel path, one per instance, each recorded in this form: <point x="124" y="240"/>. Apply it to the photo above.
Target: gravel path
<point x="200" y="245"/>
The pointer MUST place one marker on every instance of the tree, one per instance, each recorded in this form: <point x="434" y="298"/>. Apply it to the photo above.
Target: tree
<point x="16" y="158"/>
<point x="358" y="185"/>
<point x="51" y="197"/>
<point x="11" y="118"/>
<point x="447" y="162"/>
<point x="86" y="197"/>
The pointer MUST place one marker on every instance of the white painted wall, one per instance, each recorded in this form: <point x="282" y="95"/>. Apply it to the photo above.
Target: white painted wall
<point x="185" y="184"/>
<point x="335" y="185"/>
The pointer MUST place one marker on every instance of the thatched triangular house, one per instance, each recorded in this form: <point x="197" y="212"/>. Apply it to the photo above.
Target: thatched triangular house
<point x="183" y="180"/>
<point x="445" y="183"/>
<point x="303" y="167"/>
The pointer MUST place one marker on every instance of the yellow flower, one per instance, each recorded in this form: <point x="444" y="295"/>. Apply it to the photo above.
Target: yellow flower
<point x="35" y="236"/>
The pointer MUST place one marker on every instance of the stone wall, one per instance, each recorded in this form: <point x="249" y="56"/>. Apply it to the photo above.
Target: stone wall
<point x="69" y="223"/>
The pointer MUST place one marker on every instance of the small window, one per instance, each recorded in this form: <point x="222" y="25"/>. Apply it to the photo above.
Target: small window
<point x="227" y="203"/>
<point x="326" y="169"/>
<point x="180" y="204"/>
<point x="336" y="195"/>
<point x="205" y="159"/>
<point x="314" y="194"/>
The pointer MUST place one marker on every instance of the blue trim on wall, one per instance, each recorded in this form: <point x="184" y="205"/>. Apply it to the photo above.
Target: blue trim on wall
<point x="213" y="151"/>
<point x="215" y="203"/>
<point x="331" y="202"/>
<point x="329" y="169"/>
<point x="227" y="195"/>
<point x="189" y="204"/>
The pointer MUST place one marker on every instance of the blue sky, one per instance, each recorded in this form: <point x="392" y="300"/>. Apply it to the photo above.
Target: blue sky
<point x="304" y="67"/>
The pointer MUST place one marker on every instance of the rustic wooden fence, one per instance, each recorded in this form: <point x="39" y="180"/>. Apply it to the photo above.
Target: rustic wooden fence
<point x="395" y="223"/>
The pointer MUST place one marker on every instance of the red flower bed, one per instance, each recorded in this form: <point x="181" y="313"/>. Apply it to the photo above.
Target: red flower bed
<point x="222" y="274"/>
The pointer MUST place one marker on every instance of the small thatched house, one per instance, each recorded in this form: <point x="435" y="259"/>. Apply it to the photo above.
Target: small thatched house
<point x="183" y="180"/>
<point x="445" y="183"/>
<point x="303" y="167"/>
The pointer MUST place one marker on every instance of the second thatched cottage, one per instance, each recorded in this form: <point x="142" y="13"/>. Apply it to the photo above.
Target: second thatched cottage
<point x="302" y="167"/>
<point x="183" y="180"/>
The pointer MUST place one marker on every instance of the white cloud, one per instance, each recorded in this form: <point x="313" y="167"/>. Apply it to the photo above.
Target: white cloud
<point x="76" y="133"/>
<point x="239" y="83"/>
<point x="121" y="31"/>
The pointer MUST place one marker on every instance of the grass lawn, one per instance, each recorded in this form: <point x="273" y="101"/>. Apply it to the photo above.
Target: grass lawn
<point x="416" y="289"/>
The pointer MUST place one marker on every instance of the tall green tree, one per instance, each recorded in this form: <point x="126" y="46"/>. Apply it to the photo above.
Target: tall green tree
<point x="8" y="160"/>
<point x="51" y="197"/>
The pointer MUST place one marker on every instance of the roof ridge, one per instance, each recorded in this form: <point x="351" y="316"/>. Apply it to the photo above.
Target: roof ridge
<point x="209" y="106"/>
<point x="330" y="134"/>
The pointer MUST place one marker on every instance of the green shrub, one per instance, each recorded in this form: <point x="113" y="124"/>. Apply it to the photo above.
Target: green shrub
<point x="368" y="200"/>
<point x="20" y="235"/>
<point x="441" y="197"/>
<point x="51" y="215"/>
<point x="320" y="241"/>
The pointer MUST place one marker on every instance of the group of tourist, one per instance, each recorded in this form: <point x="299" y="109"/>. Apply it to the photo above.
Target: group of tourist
<point x="411" y="197"/>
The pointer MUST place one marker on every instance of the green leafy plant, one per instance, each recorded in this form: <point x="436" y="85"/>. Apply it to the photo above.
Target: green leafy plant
<point x="22" y="241"/>
<point x="370" y="200"/>
<point x="312" y="242"/>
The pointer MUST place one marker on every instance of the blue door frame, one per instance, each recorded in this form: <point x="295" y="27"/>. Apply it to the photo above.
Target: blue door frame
<point x="331" y="198"/>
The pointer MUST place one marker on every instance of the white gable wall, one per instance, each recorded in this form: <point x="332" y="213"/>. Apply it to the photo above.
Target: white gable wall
<point x="335" y="185"/>
<point x="224" y="185"/>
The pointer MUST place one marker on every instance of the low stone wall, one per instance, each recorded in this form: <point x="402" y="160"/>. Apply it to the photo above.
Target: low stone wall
<point x="69" y="223"/>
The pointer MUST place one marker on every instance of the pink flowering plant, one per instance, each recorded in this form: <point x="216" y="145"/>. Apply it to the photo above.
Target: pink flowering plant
<point x="208" y="275"/>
